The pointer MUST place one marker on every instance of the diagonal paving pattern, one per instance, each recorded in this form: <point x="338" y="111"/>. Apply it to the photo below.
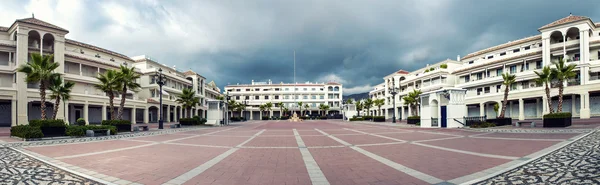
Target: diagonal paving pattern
<point x="317" y="152"/>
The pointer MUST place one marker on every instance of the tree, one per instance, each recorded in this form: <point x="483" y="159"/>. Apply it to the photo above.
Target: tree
<point x="413" y="100"/>
<point x="368" y="104"/>
<point x="350" y="101"/>
<point x="300" y="105"/>
<point x="509" y="79"/>
<point x="324" y="108"/>
<point x="40" y="70"/>
<point x="496" y="107"/>
<point x="562" y="73"/>
<point x="127" y="77"/>
<point x="109" y="84"/>
<point x="285" y="109"/>
<point x="187" y="99"/>
<point x="379" y="103"/>
<point x="545" y="77"/>
<point x="268" y="106"/>
<point x="306" y="107"/>
<point x="262" y="108"/>
<point x="59" y="91"/>
<point x="280" y="105"/>
<point x="240" y="107"/>
<point x="359" y="107"/>
<point x="231" y="105"/>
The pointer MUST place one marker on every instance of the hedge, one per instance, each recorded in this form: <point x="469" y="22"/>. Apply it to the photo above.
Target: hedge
<point x="379" y="118"/>
<point x="78" y="131"/>
<point x="357" y="119"/>
<point x="367" y="117"/>
<point x="116" y="122"/>
<point x="558" y="115"/>
<point x="483" y="125"/>
<point x="414" y="117"/>
<point x="285" y="117"/>
<point x="265" y="118"/>
<point x="80" y="121"/>
<point x="192" y="121"/>
<point x="323" y="117"/>
<point x="47" y="123"/>
<point x="26" y="131"/>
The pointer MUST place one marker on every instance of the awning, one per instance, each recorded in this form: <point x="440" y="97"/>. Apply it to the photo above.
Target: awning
<point x="594" y="70"/>
<point x="165" y="92"/>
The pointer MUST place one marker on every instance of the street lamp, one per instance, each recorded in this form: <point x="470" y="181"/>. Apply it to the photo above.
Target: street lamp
<point x="393" y="90"/>
<point x="226" y="106"/>
<point x="160" y="80"/>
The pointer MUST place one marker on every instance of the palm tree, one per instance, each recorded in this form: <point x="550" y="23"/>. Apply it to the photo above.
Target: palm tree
<point x="324" y="108"/>
<point x="187" y="99"/>
<point x="359" y="107"/>
<point x="562" y="73"/>
<point x="59" y="91"/>
<point x="268" y="106"/>
<point x="127" y="77"/>
<point x="368" y="104"/>
<point x="231" y="105"/>
<point x="379" y="103"/>
<point x="350" y="101"/>
<point x="40" y="70"/>
<point x="109" y="83"/>
<point x="280" y="105"/>
<point x="306" y="107"/>
<point x="545" y="77"/>
<point x="240" y="107"/>
<point x="412" y="100"/>
<point x="262" y="108"/>
<point x="509" y="79"/>
<point x="300" y="105"/>
<point x="285" y="109"/>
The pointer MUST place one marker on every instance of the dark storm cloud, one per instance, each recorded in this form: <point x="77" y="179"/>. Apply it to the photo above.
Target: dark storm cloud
<point x="351" y="41"/>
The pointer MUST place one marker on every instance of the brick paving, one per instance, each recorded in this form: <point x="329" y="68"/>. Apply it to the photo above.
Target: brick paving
<point x="322" y="152"/>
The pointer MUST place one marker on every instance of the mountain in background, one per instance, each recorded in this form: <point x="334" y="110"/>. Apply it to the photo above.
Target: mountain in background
<point x="358" y="96"/>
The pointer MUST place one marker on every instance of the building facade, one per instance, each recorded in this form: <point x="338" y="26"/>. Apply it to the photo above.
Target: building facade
<point x="311" y="94"/>
<point x="80" y="63"/>
<point x="574" y="38"/>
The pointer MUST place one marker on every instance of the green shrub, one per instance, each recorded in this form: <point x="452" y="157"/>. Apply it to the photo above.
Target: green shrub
<point x="116" y="122"/>
<point x="558" y="115"/>
<point x="444" y="66"/>
<point x="322" y="117"/>
<point x="26" y="131"/>
<point x="418" y="124"/>
<point x="357" y="119"/>
<point x="80" y="121"/>
<point x="265" y="118"/>
<point x="431" y="69"/>
<point x="367" y="117"/>
<point x="379" y="118"/>
<point x="190" y="121"/>
<point x="483" y="125"/>
<point x="304" y="117"/>
<point x="285" y="117"/>
<point x="78" y="131"/>
<point x="47" y="123"/>
<point x="414" y="117"/>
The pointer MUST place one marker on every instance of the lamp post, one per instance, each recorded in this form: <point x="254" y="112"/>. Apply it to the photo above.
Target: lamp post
<point x="160" y="80"/>
<point x="226" y="105"/>
<point x="393" y="91"/>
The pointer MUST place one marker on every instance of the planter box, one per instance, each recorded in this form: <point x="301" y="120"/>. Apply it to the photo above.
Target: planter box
<point x="123" y="128"/>
<point x="54" y="131"/>
<point x="557" y="122"/>
<point x="500" y="121"/>
<point x="412" y="121"/>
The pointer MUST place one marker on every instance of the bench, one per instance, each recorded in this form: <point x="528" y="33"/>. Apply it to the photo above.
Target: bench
<point x="136" y="128"/>
<point x="175" y="125"/>
<point x="95" y="133"/>
<point x="531" y="123"/>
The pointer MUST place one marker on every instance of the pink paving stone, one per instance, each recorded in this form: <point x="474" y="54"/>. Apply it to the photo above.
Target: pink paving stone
<point x="442" y="164"/>
<point x="344" y="166"/>
<point x="9" y="139"/>
<point x="83" y="148"/>
<point x="457" y="132"/>
<point x="515" y="148"/>
<point x="300" y="125"/>
<point x="154" y="164"/>
<point x="319" y="141"/>
<point x="530" y="135"/>
<point x="364" y="139"/>
<point x="202" y="131"/>
<point x="339" y="131"/>
<point x="161" y="138"/>
<point x="415" y="136"/>
<point x="284" y="141"/>
<point x="309" y="132"/>
<point x="288" y="132"/>
<point x="377" y="131"/>
<point x="214" y="140"/>
<point x="257" y="167"/>
<point x="236" y="133"/>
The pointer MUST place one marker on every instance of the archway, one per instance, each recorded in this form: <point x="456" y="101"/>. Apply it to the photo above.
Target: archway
<point x="556" y="37"/>
<point x="48" y="43"/>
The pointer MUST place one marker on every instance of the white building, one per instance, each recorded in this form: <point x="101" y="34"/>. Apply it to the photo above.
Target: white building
<point x="79" y="63"/>
<point x="576" y="38"/>
<point x="311" y="94"/>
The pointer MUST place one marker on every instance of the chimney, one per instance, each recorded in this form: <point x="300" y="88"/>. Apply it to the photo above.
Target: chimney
<point x="458" y="58"/>
<point x="252" y="82"/>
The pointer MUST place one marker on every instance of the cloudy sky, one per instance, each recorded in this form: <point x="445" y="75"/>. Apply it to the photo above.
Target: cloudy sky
<point x="352" y="42"/>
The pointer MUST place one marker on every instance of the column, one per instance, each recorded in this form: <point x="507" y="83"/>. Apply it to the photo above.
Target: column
<point x="410" y="113"/>
<point x="21" y="58"/>
<point x="521" y="109"/>
<point x="510" y="108"/>
<point x="146" y="115"/>
<point x="584" y="112"/>
<point x="179" y="111"/>
<point x="545" y="107"/>
<point x="270" y="113"/>
<point x="13" y="112"/>
<point x="103" y="111"/>
<point x="133" y="115"/>
<point x="260" y="113"/>
<point x="573" y="105"/>
<point x="396" y="112"/>
<point x="251" y="115"/>
<point x="545" y="52"/>
<point x="403" y="115"/>
<point x="86" y="113"/>
<point x="537" y="108"/>
<point x="482" y="109"/>
<point x="565" y="45"/>
<point x="168" y="114"/>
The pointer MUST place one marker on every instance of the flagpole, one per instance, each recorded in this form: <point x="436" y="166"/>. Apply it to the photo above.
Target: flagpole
<point x="295" y="103"/>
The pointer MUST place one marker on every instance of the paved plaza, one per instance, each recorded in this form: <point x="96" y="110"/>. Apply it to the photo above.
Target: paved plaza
<point x="311" y="152"/>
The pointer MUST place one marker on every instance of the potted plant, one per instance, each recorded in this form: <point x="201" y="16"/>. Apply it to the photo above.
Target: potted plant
<point x="509" y="79"/>
<point x="559" y="119"/>
<point x="50" y="128"/>
<point x="560" y="74"/>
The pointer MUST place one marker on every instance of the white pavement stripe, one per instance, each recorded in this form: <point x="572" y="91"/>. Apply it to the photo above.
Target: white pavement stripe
<point x="179" y="139"/>
<point x="520" y="139"/>
<point x="200" y="169"/>
<point x="467" y="152"/>
<point x="438" y="133"/>
<point x="376" y="135"/>
<point x="314" y="171"/>
<point x="105" y="151"/>
<point x="417" y="174"/>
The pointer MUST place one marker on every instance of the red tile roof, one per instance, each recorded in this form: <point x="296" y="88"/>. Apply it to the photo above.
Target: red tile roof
<point x="333" y="83"/>
<point x="41" y="23"/>
<point x="502" y="46"/>
<point x="95" y="48"/>
<point x="495" y="61"/>
<point x="401" y="71"/>
<point x="150" y="100"/>
<point x="189" y="72"/>
<point x="568" y="19"/>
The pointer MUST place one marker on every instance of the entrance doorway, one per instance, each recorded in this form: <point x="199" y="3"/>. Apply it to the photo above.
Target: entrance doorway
<point x="443" y="116"/>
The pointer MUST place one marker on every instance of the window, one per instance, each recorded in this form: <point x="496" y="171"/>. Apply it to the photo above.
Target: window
<point x="305" y="97"/>
<point x="487" y="73"/>
<point x="490" y="57"/>
<point x="513" y="86"/>
<point x="247" y="97"/>
<point x="499" y="72"/>
<point x="276" y="89"/>
<point x="295" y="96"/>
<point x="321" y="89"/>
<point x="516" y="50"/>
<point x="538" y="64"/>
<point x="286" y="97"/>
<point x="153" y="93"/>
<point x="313" y="89"/>
<point x="479" y="90"/>
<point x="314" y="105"/>
<point x="527" y="47"/>
<point x="304" y="89"/>
<point x="276" y="97"/>
<point x="322" y="97"/>
<point x="238" y="90"/>
<point x="237" y="97"/>
<point x="498" y="88"/>
<point x="479" y="76"/>
<point x="540" y="45"/>
<point x="527" y="66"/>
<point x="513" y="69"/>
<point x="486" y="90"/>
<point x="257" y="89"/>
<point x="266" y="97"/>
<point x="256" y="97"/>
<point x="287" y="89"/>
<point x="471" y="62"/>
<point x="314" y="97"/>
<point x="247" y="89"/>
<point x="467" y="78"/>
<point x="503" y="53"/>
<point x="295" y="89"/>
